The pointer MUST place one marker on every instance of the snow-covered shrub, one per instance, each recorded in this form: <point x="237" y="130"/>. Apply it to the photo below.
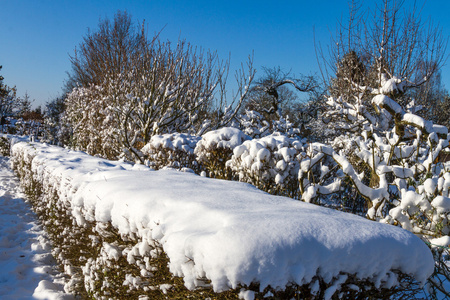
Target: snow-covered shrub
<point x="165" y="88"/>
<point x="286" y="127"/>
<point x="392" y="149"/>
<point x="423" y="207"/>
<point x="98" y="260"/>
<point x="269" y="163"/>
<point x="253" y="124"/>
<point x="216" y="148"/>
<point x="322" y="181"/>
<point x="390" y="158"/>
<point x="94" y="128"/>
<point x="175" y="150"/>
<point x="402" y="181"/>
<point x="421" y="204"/>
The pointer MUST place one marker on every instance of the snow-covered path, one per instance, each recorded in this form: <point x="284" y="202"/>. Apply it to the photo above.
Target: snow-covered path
<point x="27" y="268"/>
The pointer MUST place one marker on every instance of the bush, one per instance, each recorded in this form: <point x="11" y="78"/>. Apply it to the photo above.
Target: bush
<point x="216" y="148"/>
<point x="175" y="150"/>
<point x="269" y="163"/>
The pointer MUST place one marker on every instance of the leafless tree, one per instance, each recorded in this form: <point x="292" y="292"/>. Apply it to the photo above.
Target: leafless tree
<point x="271" y="96"/>
<point x="387" y="43"/>
<point x="393" y="54"/>
<point x="131" y="88"/>
<point x="108" y="50"/>
<point x="169" y="90"/>
<point x="228" y="109"/>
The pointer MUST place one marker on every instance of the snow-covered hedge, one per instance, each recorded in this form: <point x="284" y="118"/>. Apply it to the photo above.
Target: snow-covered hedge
<point x="269" y="163"/>
<point x="175" y="150"/>
<point x="216" y="148"/>
<point x="115" y="227"/>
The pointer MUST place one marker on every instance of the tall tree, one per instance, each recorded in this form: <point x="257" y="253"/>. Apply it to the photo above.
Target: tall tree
<point x="387" y="51"/>
<point x="8" y="99"/>
<point x="3" y="88"/>
<point x="393" y="159"/>
<point x="274" y="95"/>
<point x="23" y="105"/>
<point x="130" y="88"/>
<point x="108" y="51"/>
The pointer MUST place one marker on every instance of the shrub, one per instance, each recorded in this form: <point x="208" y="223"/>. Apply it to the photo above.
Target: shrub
<point x="216" y="148"/>
<point x="269" y="163"/>
<point x="253" y="124"/>
<point x="175" y="150"/>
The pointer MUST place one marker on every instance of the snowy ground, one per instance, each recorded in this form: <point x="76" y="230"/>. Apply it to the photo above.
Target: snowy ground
<point x="27" y="268"/>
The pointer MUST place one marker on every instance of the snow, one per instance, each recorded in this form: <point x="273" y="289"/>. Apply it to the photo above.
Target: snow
<point x="228" y="232"/>
<point x="443" y="241"/>
<point x="424" y="124"/>
<point x="246" y="295"/>
<point x="441" y="203"/>
<point x="384" y="101"/>
<point x="412" y="202"/>
<point x="226" y="137"/>
<point x="173" y="141"/>
<point x="430" y="185"/>
<point x="402" y="172"/>
<point x="375" y="194"/>
<point x="28" y="270"/>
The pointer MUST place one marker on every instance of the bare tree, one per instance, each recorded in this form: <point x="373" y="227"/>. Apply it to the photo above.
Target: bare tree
<point x="228" y="109"/>
<point x="169" y="90"/>
<point x="393" y="152"/>
<point x="395" y="45"/>
<point x="109" y="50"/>
<point x="270" y="94"/>
<point x="131" y="88"/>
<point x="392" y="54"/>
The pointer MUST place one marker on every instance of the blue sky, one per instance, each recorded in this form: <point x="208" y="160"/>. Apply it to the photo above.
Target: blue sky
<point x="37" y="36"/>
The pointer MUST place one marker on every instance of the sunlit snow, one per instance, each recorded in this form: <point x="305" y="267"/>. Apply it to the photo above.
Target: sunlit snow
<point x="28" y="270"/>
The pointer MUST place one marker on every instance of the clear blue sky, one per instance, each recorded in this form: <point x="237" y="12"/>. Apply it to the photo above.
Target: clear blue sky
<point x="37" y="36"/>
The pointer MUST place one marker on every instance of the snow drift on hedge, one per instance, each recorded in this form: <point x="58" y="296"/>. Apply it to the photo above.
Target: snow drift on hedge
<point x="229" y="232"/>
<point x="173" y="141"/>
<point x="226" y="137"/>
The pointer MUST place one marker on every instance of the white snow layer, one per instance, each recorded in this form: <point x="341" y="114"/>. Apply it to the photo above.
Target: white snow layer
<point x="226" y="137"/>
<point x="229" y="232"/>
<point x="172" y="141"/>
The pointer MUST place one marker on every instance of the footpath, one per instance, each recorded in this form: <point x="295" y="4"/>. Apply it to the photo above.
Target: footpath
<point x="27" y="267"/>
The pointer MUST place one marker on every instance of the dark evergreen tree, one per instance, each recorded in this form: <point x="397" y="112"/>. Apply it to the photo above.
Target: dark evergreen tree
<point x="8" y="99"/>
<point x="2" y="87"/>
